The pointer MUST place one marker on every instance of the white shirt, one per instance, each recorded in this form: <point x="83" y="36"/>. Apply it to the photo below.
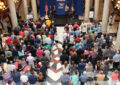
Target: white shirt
<point x="26" y="32"/>
<point x="71" y="39"/>
<point x="47" y="53"/>
<point x="48" y="40"/>
<point x="91" y="14"/>
<point x="11" y="67"/>
<point x="56" y="38"/>
<point x="43" y="26"/>
<point x="23" y="78"/>
<point x="65" y="35"/>
<point x="66" y="68"/>
<point x="84" y="29"/>
<point x="30" y="59"/>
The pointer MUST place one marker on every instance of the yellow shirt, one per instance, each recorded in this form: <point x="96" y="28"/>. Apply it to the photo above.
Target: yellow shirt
<point x="48" y="22"/>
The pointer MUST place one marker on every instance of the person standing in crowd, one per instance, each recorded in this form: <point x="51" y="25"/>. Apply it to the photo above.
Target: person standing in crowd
<point x="41" y="79"/>
<point x="16" y="77"/>
<point x="43" y="70"/>
<point x="24" y="78"/>
<point x="7" y="77"/>
<point x="100" y="77"/>
<point x="81" y="67"/>
<point x="39" y="52"/>
<point x="83" y="78"/>
<point x="65" y="79"/>
<point x="44" y="60"/>
<point x="75" y="78"/>
<point x="32" y="79"/>
<point x="116" y="60"/>
<point x="30" y="59"/>
<point x="114" y="77"/>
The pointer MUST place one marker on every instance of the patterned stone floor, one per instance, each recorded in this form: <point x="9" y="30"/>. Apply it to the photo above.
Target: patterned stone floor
<point x="55" y="70"/>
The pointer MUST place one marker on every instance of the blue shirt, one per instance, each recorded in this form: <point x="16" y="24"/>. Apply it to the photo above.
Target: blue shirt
<point x="81" y="66"/>
<point x="65" y="79"/>
<point x="12" y="36"/>
<point x="116" y="57"/>
<point x="83" y="78"/>
<point x="84" y="47"/>
<point x="77" y="32"/>
<point x="99" y="29"/>
<point x="16" y="76"/>
<point x="32" y="79"/>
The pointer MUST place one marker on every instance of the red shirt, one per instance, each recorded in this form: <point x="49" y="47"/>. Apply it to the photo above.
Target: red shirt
<point x="77" y="40"/>
<point x="115" y="76"/>
<point x="21" y="33"/>
<point x="66" y="31"/>
<point x="26" y="26"/>
<point x="51" y="36"/>
<point x="8" y="41"/>
<point x="38" y="66"/>
<point x="75" y="25"/>
<point x="86" y="37"/>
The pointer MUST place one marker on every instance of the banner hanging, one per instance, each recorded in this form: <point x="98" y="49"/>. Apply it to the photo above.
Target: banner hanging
<point x="42" y="7"/>
<point x="78" y="7"/>
<point x="60" y="7"/>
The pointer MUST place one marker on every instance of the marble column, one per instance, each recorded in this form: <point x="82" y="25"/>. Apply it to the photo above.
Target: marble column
<point x="34" y="9"/>
<point x="96" y="9"/>
<point x="25" y="8"/>
<point x="13" y="15"/>
<point x="105" y="15"/>
<point x="87" y="9"/>
<point x="117" y="45"/>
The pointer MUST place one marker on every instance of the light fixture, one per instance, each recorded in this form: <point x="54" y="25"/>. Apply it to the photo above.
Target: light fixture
<point x="2" y="6"/>
<point x="116" y="4"/>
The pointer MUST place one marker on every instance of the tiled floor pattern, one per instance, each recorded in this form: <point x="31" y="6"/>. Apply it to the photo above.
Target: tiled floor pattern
<point x="55" y="70"/>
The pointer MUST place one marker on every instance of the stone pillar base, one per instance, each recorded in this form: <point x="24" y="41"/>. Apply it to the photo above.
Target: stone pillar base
<point x="110" y="29"/>
<point x="80" y="17"/>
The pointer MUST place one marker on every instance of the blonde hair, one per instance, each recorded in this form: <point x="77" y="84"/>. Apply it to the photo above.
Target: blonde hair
<point x="89" y="63"/>
<point x="40" y="76"/>
<point x="116" y="71"/>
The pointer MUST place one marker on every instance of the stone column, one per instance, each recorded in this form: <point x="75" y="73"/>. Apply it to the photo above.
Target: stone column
<point x="13" y="15"/>
<point x="34" y="9"/>
<point x="105" y="15"/>
<point x="117" y="45"/>
<point x="87" y="9"/>
<point x="96" y="9"/>
<point x="25" y="8"/>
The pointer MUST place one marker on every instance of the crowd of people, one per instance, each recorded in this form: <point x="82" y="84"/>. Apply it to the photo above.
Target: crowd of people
<point x="87" y="56"/>
<point x="25" y="53"/>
